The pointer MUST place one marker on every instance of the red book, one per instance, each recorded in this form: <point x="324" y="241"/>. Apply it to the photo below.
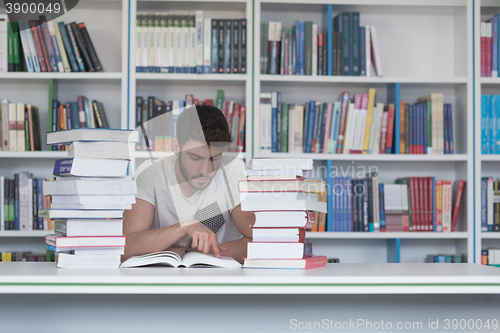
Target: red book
<point x="413" y="202"/>
<point x="430" y="185"/>
<point x="306" y="263"/>
<point x="488" y="50"/>
<point x="390" y="128"/>
<point x="421" y="204"/>
<point x="209" y="102"/>
<point x="456" y="206"/>
<point x="483" y="49"/>
<point x="196" y="101"/>
<point x="44" y="47"/>
<point x="425" y="192"/>
<point x="81" y="111"/>
<point x="343" y="114"/>
<point x="383" y="134"/>
<point x="38" y="46"/>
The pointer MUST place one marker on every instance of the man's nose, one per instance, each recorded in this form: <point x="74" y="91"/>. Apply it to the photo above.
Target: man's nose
<point x="208" y="167"/>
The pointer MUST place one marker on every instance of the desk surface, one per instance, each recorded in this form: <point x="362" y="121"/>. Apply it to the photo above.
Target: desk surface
<point x="30" y="278"/>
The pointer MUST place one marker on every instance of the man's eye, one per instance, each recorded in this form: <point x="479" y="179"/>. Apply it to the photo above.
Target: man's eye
<point x="195" y="158"/>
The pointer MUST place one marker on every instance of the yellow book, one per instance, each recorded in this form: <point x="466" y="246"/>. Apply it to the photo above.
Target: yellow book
<point x="369" y="117"/>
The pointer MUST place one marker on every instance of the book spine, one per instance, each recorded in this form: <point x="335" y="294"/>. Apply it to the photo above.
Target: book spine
<point x="207" y="44"/>
<point x="81" y="47"/>
<point x="49" y="44"/>
<point x="68" y="46"/>
<point x="94" y="59"/>
<point x="61" y="62"/>
<point x="235" y="47"/>
<point x="221" y="46"/>
<point x="243" y="47"/>
<point x="362" y="51"/>
<point x="228" y="41"/>
<point x="390" y="128"/>
<point x="456" y="209"/>
<point x="26" y="50"/>
<point x="74" y="45"/>
<point x="215" y="45"/>
<point x="343" y="118"/>
<point x="355" y="44"/>
<point x="346" y="43"/>
<point x="38" y="45"/>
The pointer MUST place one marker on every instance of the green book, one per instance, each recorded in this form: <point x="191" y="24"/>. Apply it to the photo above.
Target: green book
<point x="10" y="47"/>
<point x="220" y="99"/>
<point x="406" y="181"/>
<point x="284" y="127"/>
<point x="429" y="127"/>
<point x="26" y="132"/>
<point x="17" y="58"/>
<point x="282" y="57"/>
<point x="308" y="47"/>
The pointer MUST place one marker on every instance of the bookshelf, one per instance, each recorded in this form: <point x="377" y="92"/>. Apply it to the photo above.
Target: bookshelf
<point x="435" y="56"/>
<point x="485" y="165"/>
<point x="107" y="28"/>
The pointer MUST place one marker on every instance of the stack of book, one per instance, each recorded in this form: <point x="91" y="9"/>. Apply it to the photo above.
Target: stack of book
<point x="89" y="194"/>
<point x="356" y="124"/>
<point x="47" y="47"/>
<point x="283" y="202"/>
<point x="190" y="43"/>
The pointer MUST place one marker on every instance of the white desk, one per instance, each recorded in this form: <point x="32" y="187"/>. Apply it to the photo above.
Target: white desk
<point x="264" y="300"/>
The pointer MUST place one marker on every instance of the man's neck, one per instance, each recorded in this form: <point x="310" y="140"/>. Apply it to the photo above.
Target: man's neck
<point x="186" y="189"/>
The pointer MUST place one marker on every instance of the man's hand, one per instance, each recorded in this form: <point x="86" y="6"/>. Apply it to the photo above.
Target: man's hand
<point x="204" y="238"/>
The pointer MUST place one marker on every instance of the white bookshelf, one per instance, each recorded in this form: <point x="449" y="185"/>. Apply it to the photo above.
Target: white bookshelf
<point x="174" y="86"/>
<point x="435" y="56"/>
<point x="485" y="165"/>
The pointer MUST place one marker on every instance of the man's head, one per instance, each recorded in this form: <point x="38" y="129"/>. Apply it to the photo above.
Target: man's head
<point x="202" y="133"/>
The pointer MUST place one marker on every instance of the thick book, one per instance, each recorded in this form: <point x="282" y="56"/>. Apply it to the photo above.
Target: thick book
<point x="74" y="44"/>
<point x="100" y="114"/>
<point x="284" y="205"/>
<point x="88" y="227"/>
<point x="68" y="47"/>
<point x="91" y="206"/>
<point x="92" y="134"/>
<point x="279" y="250"/>
<point x="278" y="196"/>
<point x="80" y="214"/>
<point x="284" y="219"/>
<point x="67" y="260"/>
<point x="281" y="163"/>
<point x="90" y="167"/>
<point x="172" y="259"/>
<point x="288" y="174"/>
<point x="278" y="235"/>
<point x="90" y="47"/>
<point x="89" y="186"/>
<point x="101" y="150"/>
<point x="84" y="241"/>
<point x="281" y="186"/>
<point x="305" y="263"/>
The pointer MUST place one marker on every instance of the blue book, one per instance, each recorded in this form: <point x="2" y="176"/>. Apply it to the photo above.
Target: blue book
<point x="445" y="129"/>
<point x="498" y="41"/>
<point x="484" y="204"/>
<point x="302" y="48"/>
<point x="484" y="124"/>
<point x="331" y="210"/>
<point x="297" y="46"/>
<point x="310" y="125"/>
<point x="323" y="129"/>
<point x="329" y="9"/>
<point x="494" y="46"/>
<point x="344" y="199"/>
<point x="424" y="125"/>
<point x="452" y="143"/>
<point x="48" y="43"/>
<point x="493" y="124"/>
<point x="278" y="121"/>
<point x="362" y="55"/>
<point x="16" y="201"/>
<point x="381" y="205"/>
<point x="87" y="112"/>
<point x="215" y="51"/>
<point x="335" y="209"/>
<point x="497" y="111"/>
<point x="450" y="127"/>
<point x="393" y="96"/>
<point x="75" y="116"/>
<point x="348" y="196"/>
<point x="345" y="23"/>
<point x="434" y="203"/>
<point x="69" y="47"/>
<point x="274" y="122"/>
<point x="354" y="44"/>
<point x="337" y="108"/>
<point x="305" y="127"/>
<point x="441" y="259"/>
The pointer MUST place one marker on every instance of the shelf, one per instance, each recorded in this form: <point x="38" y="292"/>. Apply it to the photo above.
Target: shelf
<point x="191" y="77"/>
<point x="62" y="76"/>
<point x="33" y="154"/>
<point x="359" y="79"/>
<point x="490" y="80"/>
<point x="387" y="235"/>
<point x="432" y="3"/>
<point x="25" y="233"/>
<point x="492" y="158"/>
<point x="371" y="157"/>
<point x="490" y="235"/>
<point x="162" y="154"/>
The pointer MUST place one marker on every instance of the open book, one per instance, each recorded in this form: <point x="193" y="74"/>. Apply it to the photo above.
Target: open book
<point x="191" y="259"/>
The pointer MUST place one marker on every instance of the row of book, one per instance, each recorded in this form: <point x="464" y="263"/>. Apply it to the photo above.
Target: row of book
<point x="490" y="205"/>
<point x="282" y="214"/>
<point x="91" y="195"/>
<point x="347" y="49"/>
<point x="19" y="127"/>
<point x="356" y="127"/>
<point x="83" y="113"/>
<point x="42" y="46"/>
<point x="25" y="256"/>
<point x="411" y="205"/>
<point x="444" y="258"/>
<point x="489" y="47"/>
<point x="164" y="114"/>
<point x="190" y="43"/>
<point x="490" y="124"/>
<point x="490" y="257"/>
<point x="20" y="199"/>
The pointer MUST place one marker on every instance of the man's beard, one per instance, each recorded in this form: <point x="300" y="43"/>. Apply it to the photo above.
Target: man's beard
<point x="192" y="180"/>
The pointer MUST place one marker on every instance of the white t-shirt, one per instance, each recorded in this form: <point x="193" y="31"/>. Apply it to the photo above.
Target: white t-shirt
<point x="212" y="206"/>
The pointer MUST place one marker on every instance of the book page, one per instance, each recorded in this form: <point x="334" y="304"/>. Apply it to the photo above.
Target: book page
<point x="199" y="259"/>
<point x="166" y="258"/>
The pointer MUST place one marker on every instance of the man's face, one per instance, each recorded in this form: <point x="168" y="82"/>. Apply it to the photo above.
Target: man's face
<point x="198" y="163"/>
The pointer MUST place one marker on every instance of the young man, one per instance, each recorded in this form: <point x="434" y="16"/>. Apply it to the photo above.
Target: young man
<point x="191" y="200"/>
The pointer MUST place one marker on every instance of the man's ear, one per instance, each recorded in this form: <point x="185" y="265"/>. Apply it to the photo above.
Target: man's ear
<point x="175" y="146"/>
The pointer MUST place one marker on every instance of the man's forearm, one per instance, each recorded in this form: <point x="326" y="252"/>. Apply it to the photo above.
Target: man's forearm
<point x="142" y="242"/>
<point x="237" y="249"/>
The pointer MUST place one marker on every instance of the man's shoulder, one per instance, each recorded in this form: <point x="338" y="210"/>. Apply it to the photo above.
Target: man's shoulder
<point x="150" y="166"/>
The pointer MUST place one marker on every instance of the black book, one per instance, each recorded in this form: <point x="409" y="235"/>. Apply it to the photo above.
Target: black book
<point x="370" y="203"/>
<point x="220" y="61"/>
<point x="228" y="37"/>
<point x="81" y="46"/>
<point x="100" y="115"/>
<point x="325" y="53"/>
<point x="34" y="203"/>
<point x="215" y="46"/>
<point x="5" y="202"/>
<point x="243" y="46"/>
<point x="319" y="70"/>
<point x="235" y="47"/>
<point x="138" y="119"/>
<point x="90" y="47"/>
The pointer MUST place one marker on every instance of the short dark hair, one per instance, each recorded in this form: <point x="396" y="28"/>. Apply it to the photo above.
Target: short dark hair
<point x="213" y="124"/>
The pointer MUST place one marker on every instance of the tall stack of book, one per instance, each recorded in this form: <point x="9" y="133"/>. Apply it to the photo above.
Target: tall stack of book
<point x="89" y="194"/>
<point x="283" y="202"/>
